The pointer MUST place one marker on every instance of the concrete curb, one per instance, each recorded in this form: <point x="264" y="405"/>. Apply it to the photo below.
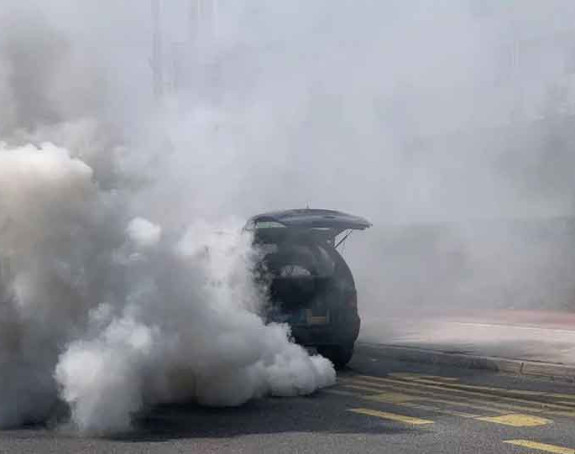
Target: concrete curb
<point x="553" y="371"/>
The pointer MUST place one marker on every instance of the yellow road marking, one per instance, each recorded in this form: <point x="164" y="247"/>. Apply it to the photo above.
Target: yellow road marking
<point x="391" y="416"/>
<point x="519" y="392"/>
<point x="413" y="376"/>
<point x="432" y="408"/>
<point x="494" y="391"/>
<point x="471" y="403"/>
<point x="568" y="411"/>
<point x="516" y="420"/>
<point x="393" y="398"/>
<point x="562" y="396"/>
<point x="438" y="400"/>
<point x="339" y="392"/>
<point x="378" y="398"/>
<point x="405" y="400"/>
<point x="425" y="396"/>
<point x="458" y="387"/>
<point x="439" y="410"/>
<point x="450" y="382"/>
<point x="541" y="446"/>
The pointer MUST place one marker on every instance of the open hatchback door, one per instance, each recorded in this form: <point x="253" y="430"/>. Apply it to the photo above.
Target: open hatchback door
<point x="308" y="218"/>
<point x="310" y="286"/>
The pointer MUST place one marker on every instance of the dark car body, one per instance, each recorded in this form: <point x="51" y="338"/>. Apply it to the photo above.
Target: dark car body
<point x="310" y="286"/>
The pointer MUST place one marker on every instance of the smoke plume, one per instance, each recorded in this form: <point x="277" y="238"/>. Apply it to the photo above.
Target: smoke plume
<point x="125" y="280"/>
<point x="121" y="314"/>
<point x="101" y="308"/>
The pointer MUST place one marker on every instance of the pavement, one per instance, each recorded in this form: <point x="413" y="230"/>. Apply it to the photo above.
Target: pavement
<point x="540" y="343"/>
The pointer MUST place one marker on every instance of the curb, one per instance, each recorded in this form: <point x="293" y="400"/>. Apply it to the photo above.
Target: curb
<point x="553" y="371"/>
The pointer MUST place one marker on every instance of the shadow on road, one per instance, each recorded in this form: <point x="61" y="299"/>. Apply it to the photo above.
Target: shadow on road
<point x="322" y="412"/>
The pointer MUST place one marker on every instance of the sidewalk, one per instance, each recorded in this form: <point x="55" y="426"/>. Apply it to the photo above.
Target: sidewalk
<point x="520" y="336"/>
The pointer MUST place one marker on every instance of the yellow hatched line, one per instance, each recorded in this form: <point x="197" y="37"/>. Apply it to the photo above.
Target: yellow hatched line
<point x="488" y="389"/>
<point x="436" y="409"/>
<point x="377" y="398"/>
<point x="454" y="383"/>
<point x="369" y="379"/>
<point x="405" y="400"/>
<point x="496" y="407"/>
<point x="454" y="388"/>
<point x="391" y="416"/>
<point x="516" y="420"/>
<point x="507" y="419"/>
<point x="431" y="399"/>
<point x="498" y="392"/>
<point x="541" y="446"/>
<point x="562" y="396"/>
<point x="413" y="376"/>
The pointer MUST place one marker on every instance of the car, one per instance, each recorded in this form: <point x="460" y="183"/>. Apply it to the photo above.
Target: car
<point x="309" y="284"/>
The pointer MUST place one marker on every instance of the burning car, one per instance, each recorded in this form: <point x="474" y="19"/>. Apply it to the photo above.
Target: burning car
<point x="310" y="286"/>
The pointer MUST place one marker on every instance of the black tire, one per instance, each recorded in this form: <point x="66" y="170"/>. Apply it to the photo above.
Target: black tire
<point x="339" y="355"/>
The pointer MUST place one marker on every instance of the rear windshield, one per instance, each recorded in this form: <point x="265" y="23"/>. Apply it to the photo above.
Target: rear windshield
<point x="299" y="260"/>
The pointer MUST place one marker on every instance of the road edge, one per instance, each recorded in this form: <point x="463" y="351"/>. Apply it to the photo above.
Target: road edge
<point x="553" y="371"/>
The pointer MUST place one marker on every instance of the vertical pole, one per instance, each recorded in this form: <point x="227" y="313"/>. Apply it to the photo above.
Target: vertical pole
<point x="214" y="20"/>
<point x="203" y="19"/>
<point x="194" y="20"/>
<point x="157" y="64"/>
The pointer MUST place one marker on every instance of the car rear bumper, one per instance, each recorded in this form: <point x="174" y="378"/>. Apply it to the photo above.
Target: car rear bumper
<point x="332" y="333"/>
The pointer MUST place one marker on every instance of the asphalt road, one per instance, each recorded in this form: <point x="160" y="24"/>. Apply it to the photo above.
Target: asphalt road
<point x="378" y="406"/>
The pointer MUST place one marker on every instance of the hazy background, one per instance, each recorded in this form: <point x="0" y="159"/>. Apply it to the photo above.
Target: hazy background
<point x="448" y="124"/>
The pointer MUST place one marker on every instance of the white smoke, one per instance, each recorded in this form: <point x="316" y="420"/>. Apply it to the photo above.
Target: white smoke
<point x="113" y="294"/>
<point x="121" y="314"/>
<point x="121" y="286"/>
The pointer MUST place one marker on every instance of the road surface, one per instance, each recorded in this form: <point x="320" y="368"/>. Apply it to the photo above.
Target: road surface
<point x="378" y="406"/>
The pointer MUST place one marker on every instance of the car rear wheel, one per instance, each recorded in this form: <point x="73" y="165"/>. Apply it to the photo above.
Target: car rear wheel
<point x="339" y="355"/>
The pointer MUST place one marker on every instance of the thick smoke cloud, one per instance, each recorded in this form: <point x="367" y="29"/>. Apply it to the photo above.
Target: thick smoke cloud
<point x="103" y="309"/>
<point x="123" y="281"/>
<point x="127" y="317"/>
